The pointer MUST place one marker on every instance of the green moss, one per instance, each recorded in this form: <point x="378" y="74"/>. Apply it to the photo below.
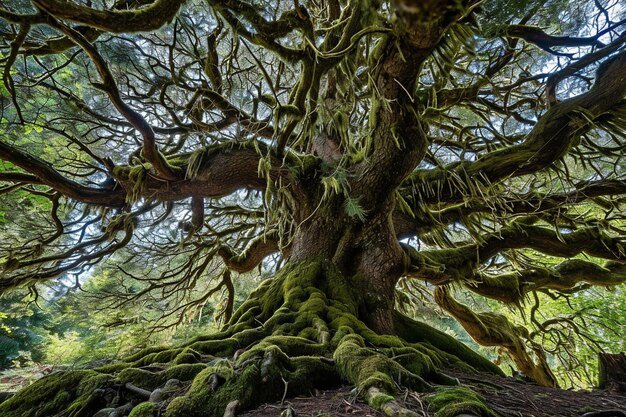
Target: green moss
<point x="176" y="407"/>
<point x="361" y="366"/>
<point x="308" y="333"/>
<point x="383" y="340"/>
<point x="248" y="336"/>
<point x="225" y="347"/>
<point x="146" y="351"/>
<point x="413" y="360"/>
<point x="186" y="358"/>
<point x="188" y="355"/>
<point x="94" y="381"/>
<point x="142" y="378"/>
<point x="163" y="356"/>
<point x="48" y="396"/>
<point x="113" y="367"/>
<point x="450" y="402"/>
<point x="379" y="401"/>
<point x="310" y="372"/>
<point x="184" y="372"/>
<point x="248" y="388"/>
<point x="144" y="410"/>
<point x="415" y="332"/>
<point x="296" y="346"/>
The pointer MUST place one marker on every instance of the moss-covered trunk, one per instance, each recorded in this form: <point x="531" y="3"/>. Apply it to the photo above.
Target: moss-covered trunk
<point x="298" y="331"/>
<point x="366" y="256"/>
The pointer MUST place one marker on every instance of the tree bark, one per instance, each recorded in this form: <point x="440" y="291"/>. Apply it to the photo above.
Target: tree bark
<point x="612" y="371"/>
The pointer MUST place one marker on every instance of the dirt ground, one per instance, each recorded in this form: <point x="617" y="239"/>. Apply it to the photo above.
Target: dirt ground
<point x="507" y="396"/>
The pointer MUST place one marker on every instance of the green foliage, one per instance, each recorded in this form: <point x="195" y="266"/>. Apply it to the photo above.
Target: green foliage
<point x="22" y="331"/>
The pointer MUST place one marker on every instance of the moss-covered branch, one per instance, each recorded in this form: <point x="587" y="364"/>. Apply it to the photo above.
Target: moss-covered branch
<point x="148" y="18"/>
<point x="532" y="203"/>
<point x="569" y="275"/>
<point x="490" y="329"/>
<point x="47" y="175"/>
<point x="551" y="139"/>
<point x="252" y="256"/>
<point x="456" y="263"/>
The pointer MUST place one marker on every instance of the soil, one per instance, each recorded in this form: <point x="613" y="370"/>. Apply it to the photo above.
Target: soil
<point x="506" y="396"/>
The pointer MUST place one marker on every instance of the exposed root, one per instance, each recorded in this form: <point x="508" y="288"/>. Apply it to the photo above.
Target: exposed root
<point x="231" y="408"/>
<point x="296" y="333"/>
<point x="456" y="401"/>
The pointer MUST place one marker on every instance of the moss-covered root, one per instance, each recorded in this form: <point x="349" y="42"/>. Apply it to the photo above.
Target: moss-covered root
<point x="455" y="401"/>
<point x="377" y="376"/>
<point x="387" y="404"/>
<point x="279" y="343"/>
<point x="75" y="393"/>
<point x="260" y="374"/>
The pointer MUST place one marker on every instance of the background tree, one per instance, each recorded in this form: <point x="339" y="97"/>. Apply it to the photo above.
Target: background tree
<point x="462" y="144"/>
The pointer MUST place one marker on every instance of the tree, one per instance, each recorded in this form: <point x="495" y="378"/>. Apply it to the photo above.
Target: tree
<point x="462" y="144"/>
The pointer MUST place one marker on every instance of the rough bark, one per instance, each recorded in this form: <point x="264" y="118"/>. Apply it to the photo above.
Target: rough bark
<point x="612" y="371"/>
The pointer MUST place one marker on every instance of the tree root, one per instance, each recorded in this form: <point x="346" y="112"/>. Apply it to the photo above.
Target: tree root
<point x="312" y="340"/>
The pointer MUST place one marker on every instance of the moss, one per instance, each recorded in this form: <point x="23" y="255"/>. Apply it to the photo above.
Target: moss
<point x="186" y="358"/>
<point x="415" y="332"/>
<point x="413" y="360"/>
<point x="245" y="388"/>
<point x="361" y="366"/>
<point x="308" y="333"/>
<point x="249" y="336"/>
<point x="176" y="407"/>
<point x="450" y="402"/>
<point x="163" y="356"/>
<point x="310" y="372"/>
<point x="184" y="372"/>
<point x="93" y="382"/>
<point x="188" y="355"/>
<point x="48" y="396"/>
<point x="383" y="340"/>
<point x="225" y="347"/>
<point x="143" y="352"/>
<point x="142" y="378"/>
<point x="113" y="367"/>
<point x="144" y="410"/>
<point x="380" y="400"/>
<point x="296" y="346"/>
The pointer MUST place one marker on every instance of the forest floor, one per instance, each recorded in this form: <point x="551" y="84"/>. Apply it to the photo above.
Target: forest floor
<point x="506" y="396"/>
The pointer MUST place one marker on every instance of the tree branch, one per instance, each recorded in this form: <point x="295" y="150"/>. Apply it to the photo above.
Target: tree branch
<point x="459" y="264"/>
<point x="530" y="203"/>
<point x="490" y="329"/>
<point x="566" y="276"/>
<point x="252" y="256"/>
<point x="48" y="176"/>
<point x="552" y="138"/>
<point x="150" y="149"/>
<point x="145" y="19"/>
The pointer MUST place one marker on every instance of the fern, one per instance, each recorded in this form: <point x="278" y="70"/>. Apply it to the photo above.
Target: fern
<point x="353" y="208"/>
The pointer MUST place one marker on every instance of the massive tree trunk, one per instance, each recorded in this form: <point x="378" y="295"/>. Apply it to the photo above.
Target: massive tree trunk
<point x="366" y="254"/>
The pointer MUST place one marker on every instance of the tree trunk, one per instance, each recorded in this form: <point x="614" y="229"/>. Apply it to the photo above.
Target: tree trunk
<point x="366" y="253"/>
<point x="612" y="371"/>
